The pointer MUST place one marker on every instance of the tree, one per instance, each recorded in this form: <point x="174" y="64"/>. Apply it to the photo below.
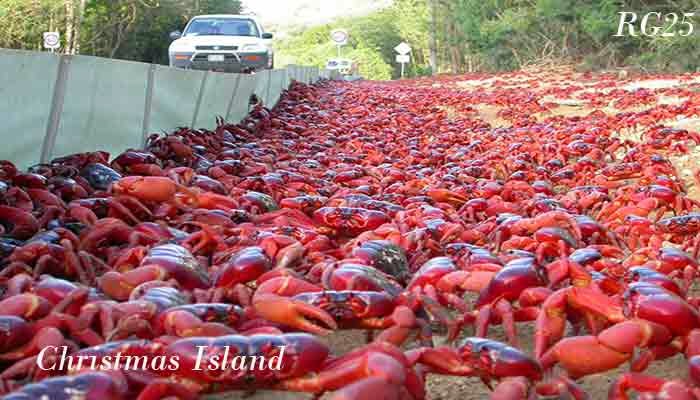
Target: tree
<point x="371" y="43"/>
<point x="130" y="29"/>
<point x="138" y="29"/>
<point x="69" y="47"/>
<point x="433" y="36"/>
<point x="23" y="22"/>
<point x="456" y="35"/>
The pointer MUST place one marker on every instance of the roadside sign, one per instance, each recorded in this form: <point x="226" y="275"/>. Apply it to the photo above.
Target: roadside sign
<point x="403" y="48"/>
<point x="52" y="40"/>
<point x="340" y="37"/>
<point x="403" y="57"/>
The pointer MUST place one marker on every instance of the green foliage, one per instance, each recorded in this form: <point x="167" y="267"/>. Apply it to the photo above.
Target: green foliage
<point x="219" y="7"/>
<point x="139" y="29"/>
<point x="313" y="47"/>
<point x="497" y="35"/>
<point x="22" y="22"/>
<point x="471" y="35"/>
<point x="130" y="29"/>
<point x="372" y="40"/>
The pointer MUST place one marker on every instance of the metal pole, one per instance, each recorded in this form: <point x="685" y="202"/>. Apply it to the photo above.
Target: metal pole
<point x="233" y="97"/>
<point x="54" y="120"/>
<point x="146" y="126"/>
<point x="268" y="100"/>
<point x="202" y="87"/>
<point x="403" y="64"/>
<point x="338" y="51"/>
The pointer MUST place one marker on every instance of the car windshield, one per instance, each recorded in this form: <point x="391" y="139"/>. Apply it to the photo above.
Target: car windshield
<point x="222" y="26"/>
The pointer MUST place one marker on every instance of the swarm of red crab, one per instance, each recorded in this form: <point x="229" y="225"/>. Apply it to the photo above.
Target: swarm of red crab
<point x="386" y="207"/>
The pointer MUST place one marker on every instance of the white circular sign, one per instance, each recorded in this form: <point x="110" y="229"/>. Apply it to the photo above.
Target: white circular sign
<point x="339" y="36"/>
<point x="52" y="40"/>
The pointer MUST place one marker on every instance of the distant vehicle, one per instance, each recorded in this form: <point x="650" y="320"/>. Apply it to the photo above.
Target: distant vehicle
<point x="343" y="65"/>
<point x="226" y="43"/>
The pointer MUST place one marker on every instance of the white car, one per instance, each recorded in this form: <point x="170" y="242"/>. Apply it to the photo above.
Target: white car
<point x="226" y="43"/>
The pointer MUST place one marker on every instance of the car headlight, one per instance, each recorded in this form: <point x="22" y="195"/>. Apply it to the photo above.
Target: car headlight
<point x="253" y="48"/>
<point x="180" y="46"/>
<point x="180" y="56"/>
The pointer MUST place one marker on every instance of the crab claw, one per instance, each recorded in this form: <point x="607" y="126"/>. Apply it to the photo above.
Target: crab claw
<point x="517" y="387"/>
<point x="585" y="355"/>
<point x="369" y="388"/>
<point x="146" y="188"/>
<point x="294" y="313"/>
<point x="285" y="285"/>
<point x="446" y="196"/>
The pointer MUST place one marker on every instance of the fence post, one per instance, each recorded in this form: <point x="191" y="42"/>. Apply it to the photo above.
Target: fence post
<point x="54" y="121"/>
<point x="150" y="78"/>
<point x="255" y="76"/>
<point x="278" y="84"/>
<point x="233" y="97"/>
<point x="267" y="90"/>
<point x="199" y="98"/>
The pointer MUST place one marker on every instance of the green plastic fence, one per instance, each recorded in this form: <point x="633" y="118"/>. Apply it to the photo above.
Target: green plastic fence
<point x="56" y="105"/>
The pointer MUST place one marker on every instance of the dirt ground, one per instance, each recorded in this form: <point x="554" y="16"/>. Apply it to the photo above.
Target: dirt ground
<point x="441" y="387"/>
<point x="445" y="387"/>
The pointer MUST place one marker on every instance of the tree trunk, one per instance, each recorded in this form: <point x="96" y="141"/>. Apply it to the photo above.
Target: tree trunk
<point x="118" y="36"/>
<point x="77" y="26"/>
<point x="454" y="57"/>
<point x="122" y="29"/>
<point x="455" y="52"/>
<point x="70" y="26"/>
<point x="433" y="37"/>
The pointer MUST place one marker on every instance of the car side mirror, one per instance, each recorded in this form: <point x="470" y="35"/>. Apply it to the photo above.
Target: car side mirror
<point x="267" y="35"/>
<point x="175" y="35"/>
